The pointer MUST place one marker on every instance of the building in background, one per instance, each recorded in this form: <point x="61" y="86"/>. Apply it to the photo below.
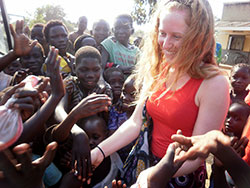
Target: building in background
<point x="233" y="32"/>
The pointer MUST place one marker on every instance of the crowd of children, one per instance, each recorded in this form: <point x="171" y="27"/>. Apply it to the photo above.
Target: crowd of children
<point x="78" y="110"/>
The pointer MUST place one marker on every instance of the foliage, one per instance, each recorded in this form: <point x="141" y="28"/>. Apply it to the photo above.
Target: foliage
<point x="143" y="9"/>
<point x="50" y="12"/>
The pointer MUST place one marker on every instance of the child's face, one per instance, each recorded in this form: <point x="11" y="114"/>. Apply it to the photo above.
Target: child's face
<point x="58" y="37"/>
<point x="83" y="22"/>
<point x="122" y="30"/>
<point x="95" y="131"/>
<point x="128" y="94"/>
<point x="88" y="41"/>
<point x="236" y="120"/>
<point x="37" y="33"/>
<point x="240" y="79"/>
<point x="116" y="80"/>
<point x="13" y="67"/>
<point x="88" y="71"/>
<point x="33" y="61"/>
<point x="101" y="31"/>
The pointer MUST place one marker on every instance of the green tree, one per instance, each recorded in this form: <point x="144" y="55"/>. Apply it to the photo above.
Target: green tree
<point x="143" y="9"/>
<point x="50" y="12"/>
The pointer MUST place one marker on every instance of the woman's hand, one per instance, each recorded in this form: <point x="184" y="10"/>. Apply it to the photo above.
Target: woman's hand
<point x="96" y="157"/>
<point x="81" y="161"/>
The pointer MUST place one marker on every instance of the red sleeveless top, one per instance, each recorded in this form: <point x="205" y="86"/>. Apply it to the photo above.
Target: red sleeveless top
<point x="171" y="114"/>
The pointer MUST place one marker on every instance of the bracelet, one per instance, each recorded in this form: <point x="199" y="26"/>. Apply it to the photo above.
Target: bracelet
<point x="101" y="151"/>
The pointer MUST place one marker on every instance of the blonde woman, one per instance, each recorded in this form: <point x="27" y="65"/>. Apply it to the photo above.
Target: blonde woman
<point x="184" y="87"/>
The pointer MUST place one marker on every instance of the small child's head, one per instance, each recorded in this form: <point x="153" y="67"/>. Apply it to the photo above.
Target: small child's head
<point x="13" y="67"/>
<point x="128" y="94"/>
<point x="56" y="34"/>
<point x="88" y="67"/>
<point x="240" y="77"/>
<point x="37" y="33"/>
<point x="100" y="30"/>
<point x="84" y="40"/>
<point x="115" y="77"/>
<point x="96" y="129"/>
<point x="236" y="119"/>
<point x="34" y="60"/>
<point x="123" y="28"/>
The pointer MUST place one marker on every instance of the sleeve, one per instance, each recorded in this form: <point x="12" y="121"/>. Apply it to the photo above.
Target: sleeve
<point x="108" y="45"/>
<point x="112" y="124"/>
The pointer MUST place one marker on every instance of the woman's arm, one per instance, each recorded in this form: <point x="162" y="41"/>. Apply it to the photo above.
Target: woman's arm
<point x="213" y="101"/>
<point x="124" y="135"/>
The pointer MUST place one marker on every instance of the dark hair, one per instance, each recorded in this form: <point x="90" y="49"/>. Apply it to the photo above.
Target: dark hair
<point x="83" y="121"/>
<point x="241" y="65"/>
<point x="49" y="25"/>
<point x="87" y="51"/>
<point x="78" y="41"/>
<point x="243" y="104"/>
<point x="82" y="17"/>
<point x="100" y="21"/>
<point x="125" y="16"/>
<point x="109" y="71"/>
<point x="37" y="25"/>
<point x="38" y="45"/>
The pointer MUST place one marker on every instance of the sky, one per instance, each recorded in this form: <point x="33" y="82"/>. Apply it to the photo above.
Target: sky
<point x="93" y="9"/>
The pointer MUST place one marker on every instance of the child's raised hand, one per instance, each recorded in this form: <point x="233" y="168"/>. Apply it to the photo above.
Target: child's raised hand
<point x="22" y="44"/>
<point x="52" y="63"/>
<point x="23" y="172"/>
<point x="81" y="161"/>
<point x="158" y="175"/>
<point x="200" y="146"/>
<point x="239" y="145"/>
<point x="91" y="105"/>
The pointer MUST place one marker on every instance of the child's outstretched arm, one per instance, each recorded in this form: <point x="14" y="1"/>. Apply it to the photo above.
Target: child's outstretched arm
<point x="22" y="45"/>
<point x="35" y="124"/>
<point x="218" y="144"/>
<point x="90" y="105"/>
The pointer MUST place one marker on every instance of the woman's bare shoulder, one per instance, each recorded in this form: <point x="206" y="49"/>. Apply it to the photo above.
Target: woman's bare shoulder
<point x="216" y="81"/>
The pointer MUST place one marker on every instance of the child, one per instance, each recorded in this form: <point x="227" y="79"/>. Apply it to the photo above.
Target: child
<point x="37" y="33"/>
<point x="96" y="129"/>
<point x="82" y="26"/>
<point x="56" y="34"/>
<point x="115" y="77"/>
<point x="240" y="79"/>
<point x="34" y="60"/>
<point x="84" y="40"/>
<point x="121" y="112"/>
<point x="100" y="31"/>
<point x="236" y="119"/>
<point x="88" y="71"/>
<point x="13" y="67"/>
<point x="117" y="49"/>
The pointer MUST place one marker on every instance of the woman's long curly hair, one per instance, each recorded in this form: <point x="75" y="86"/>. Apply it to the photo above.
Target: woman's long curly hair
<point x="195" y="57"/>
